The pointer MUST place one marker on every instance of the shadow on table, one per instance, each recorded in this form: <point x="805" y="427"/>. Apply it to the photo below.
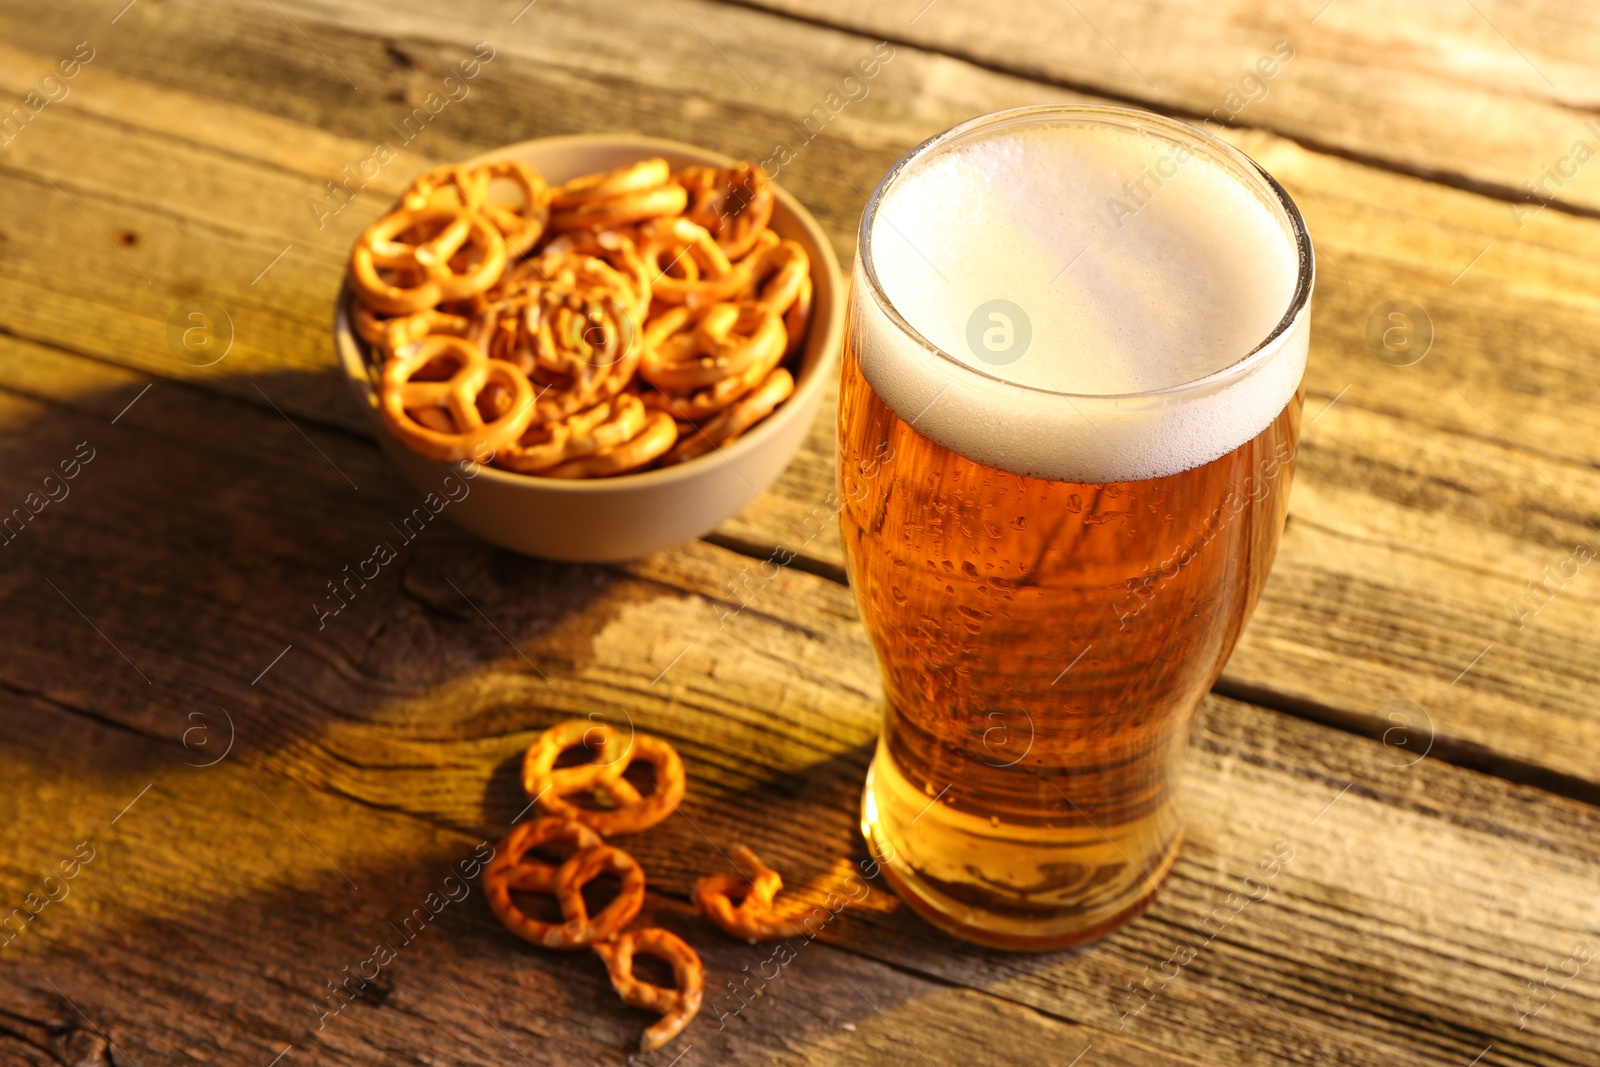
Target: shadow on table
<point x="203" y="555"/>
<point x="233" y="913"/>
<point x="171" y="591"/>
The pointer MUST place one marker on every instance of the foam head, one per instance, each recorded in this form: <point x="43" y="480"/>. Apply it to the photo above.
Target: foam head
<point x="1093" y="280"/>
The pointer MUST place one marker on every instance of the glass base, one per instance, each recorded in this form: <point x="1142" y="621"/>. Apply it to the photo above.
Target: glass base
<point x="1001" y="886"/>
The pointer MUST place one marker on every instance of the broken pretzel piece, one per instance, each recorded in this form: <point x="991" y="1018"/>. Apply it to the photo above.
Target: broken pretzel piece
<point x="752" y="918"/>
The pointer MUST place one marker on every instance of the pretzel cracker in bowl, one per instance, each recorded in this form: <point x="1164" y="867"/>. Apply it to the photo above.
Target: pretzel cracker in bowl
<point x="622" y="321"/>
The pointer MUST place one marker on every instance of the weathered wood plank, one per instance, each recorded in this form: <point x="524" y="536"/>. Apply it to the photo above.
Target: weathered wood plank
<point x="1384" y="237"/>
<point x="1404" y="929"/>
<point x="1373" y="652"/>
<point x="1491" y="96"/>
<point x="1429" y="496"/>
<point x="1387" y="236"/>
<point x="1418" y="902"/>
<point x="211" y="916"/>
<point x="1386" y="516"/>
<point x="1454" y="229"/>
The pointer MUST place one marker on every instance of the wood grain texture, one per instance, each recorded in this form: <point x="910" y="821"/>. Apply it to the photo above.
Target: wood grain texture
<point x="222" y="950"/>
<point x="1428" y="914"/>
<point x="1489" y="96"/>
<point x="1417" y="904"/>
<point x="1499" y="400"/>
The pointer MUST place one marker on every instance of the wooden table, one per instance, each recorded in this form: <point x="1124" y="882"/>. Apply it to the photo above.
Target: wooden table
<point x="262" y="801"/>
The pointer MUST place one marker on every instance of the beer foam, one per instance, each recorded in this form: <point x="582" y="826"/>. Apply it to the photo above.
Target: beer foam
<point x="1123" y="258"/>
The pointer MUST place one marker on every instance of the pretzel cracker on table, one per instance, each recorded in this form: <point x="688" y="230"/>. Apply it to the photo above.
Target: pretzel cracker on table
<point x="624" y="320"/>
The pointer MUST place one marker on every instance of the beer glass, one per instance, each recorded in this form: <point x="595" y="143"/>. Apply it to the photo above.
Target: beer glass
<point x="1068" y="417"/>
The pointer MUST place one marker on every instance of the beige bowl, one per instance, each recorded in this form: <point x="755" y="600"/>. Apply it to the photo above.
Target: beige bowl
<point x="631" y="515"/>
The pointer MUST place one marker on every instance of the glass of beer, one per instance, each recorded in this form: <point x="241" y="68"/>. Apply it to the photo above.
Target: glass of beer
<point x="1068" y="419"/>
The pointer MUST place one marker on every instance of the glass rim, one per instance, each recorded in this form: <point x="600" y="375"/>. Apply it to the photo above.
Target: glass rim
<point x="1243" y="167"/>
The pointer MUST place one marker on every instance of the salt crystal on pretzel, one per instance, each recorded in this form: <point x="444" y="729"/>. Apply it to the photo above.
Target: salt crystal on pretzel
<point x="570" y="322"/>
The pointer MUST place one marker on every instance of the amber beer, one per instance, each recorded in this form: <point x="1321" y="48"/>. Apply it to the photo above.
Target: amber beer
<point x="1055" y="549"/>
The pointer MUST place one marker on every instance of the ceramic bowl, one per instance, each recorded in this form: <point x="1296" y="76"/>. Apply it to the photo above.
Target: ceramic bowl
<point x="630" y="515"/>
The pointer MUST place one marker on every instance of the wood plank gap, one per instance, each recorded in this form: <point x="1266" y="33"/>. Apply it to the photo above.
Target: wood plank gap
<point x="827" y="941"/>
<point x="72" y="709"/>
<point x="1451" y="179"/>
<point x="1457" y="752"/>
<point x="822" y="568"/>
